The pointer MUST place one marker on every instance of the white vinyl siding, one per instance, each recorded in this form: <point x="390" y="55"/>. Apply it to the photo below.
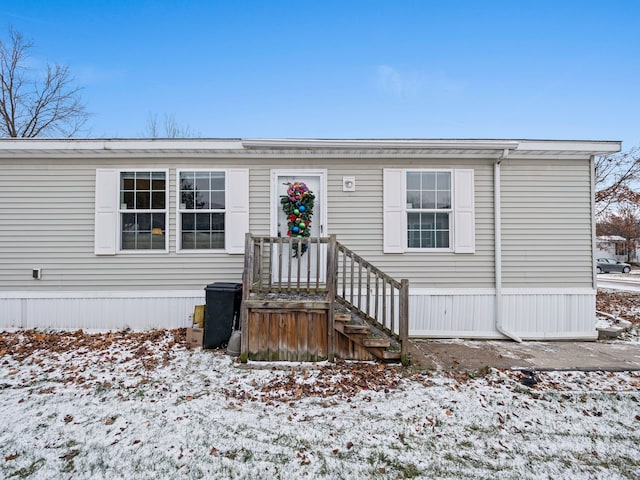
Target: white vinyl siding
<point x="47" y="222"/>
<point x="49" y="209"/>
<point x="546" y="224"/>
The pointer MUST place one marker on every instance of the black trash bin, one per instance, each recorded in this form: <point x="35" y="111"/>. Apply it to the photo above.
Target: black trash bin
<point x="222" y="313"/>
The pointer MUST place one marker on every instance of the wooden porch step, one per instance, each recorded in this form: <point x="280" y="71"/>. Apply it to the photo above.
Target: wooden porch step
<point x="383" y="354"/>
<point x="376" y="346"/>
<point x="342" y="317"/>
<point x="378" y="342"/>
<point x="356" y="328"/>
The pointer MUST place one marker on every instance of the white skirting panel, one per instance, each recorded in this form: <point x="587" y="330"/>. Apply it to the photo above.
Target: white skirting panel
<point x="545" y="314"/>
<point x="443" y="313"/>
<point x="532" y="314"/>
<point x="98" y="311"/>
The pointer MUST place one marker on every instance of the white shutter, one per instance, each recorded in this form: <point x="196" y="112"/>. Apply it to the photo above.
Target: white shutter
<point x="106" y="209"/>
<point x="237" y="220"/>
<point x="393" y="211"/>
<point x="464" y="230"/>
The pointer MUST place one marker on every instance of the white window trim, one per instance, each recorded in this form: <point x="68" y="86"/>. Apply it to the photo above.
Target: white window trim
<point x="462" y="224"/>
<point x="119" y="211"/>
<point x="405" y="211"/>
<point x="179" y="212"/>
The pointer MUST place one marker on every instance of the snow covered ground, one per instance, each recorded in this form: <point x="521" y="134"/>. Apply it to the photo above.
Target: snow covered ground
<point x="136" y="406"/>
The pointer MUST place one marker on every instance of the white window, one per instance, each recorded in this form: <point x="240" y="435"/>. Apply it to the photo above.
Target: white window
<point x="132" y="210"/>
<point x="143" y="210"/>
<point x="429" y="210"/>
<point x="201" y="210"/>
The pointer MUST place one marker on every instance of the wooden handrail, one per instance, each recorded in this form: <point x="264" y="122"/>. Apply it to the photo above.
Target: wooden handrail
<point x="388" y="309"/>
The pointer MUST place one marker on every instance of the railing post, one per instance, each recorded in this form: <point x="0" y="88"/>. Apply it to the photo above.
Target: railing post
<point x="404" y="321"/>
<point x="332" y="271"/>
<point x="247" y="283"/>
<point x="257" y="263"/>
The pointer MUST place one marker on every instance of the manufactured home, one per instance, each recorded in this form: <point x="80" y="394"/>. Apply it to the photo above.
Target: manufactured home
<point x="495" y="237"/>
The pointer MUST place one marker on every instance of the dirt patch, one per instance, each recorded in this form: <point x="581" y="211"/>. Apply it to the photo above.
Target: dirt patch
<point x="623" y="304"/>
<point x="23" y="343"/>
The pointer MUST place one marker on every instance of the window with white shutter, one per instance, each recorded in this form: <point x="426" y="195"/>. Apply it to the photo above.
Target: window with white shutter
<point x="429" y="210"/>
<point x="132" y="210"/>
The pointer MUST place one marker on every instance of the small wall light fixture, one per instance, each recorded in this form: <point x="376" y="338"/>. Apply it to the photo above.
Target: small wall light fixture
<point x="36" y="273"/>
<point x="348" y="184"/>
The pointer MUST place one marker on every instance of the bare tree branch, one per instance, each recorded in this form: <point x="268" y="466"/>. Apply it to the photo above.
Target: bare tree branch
<point x="614" y="174"/>
<point x="624" y="221"/>
<point x="32" y="106"/>
<point x="152" y="126"/>
<point x="170" y="127"/>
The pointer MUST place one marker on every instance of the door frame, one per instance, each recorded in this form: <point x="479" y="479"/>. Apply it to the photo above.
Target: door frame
<point x="321" y="198"/>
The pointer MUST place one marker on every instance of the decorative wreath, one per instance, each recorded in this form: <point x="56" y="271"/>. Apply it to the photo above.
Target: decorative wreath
<point x="297" y="205"/>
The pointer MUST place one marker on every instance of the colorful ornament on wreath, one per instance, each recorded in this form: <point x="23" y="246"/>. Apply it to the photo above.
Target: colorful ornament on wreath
<point x="297" y="205"/>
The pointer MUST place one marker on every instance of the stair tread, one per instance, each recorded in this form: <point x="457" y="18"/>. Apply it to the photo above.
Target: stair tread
<point x="385" y="354"/>
<point x="357" y="328"/>
<point x="376" y="342"/>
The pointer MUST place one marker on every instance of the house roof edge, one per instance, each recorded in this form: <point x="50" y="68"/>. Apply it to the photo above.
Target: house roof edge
<point x="235" y="146"/>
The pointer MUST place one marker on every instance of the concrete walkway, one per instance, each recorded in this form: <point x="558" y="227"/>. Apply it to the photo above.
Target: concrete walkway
<point x="469" y="355"/>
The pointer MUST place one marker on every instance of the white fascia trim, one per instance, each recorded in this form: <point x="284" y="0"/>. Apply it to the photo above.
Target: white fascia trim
<point x="120" y="144"/>
<point x="386" y="143"/>
<point x="79" y="294"/>
<point x="590" y="147"/>
<point x="177" y="145"/>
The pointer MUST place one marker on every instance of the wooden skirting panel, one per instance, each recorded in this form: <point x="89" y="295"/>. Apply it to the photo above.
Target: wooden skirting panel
<point x="295" y="335"/>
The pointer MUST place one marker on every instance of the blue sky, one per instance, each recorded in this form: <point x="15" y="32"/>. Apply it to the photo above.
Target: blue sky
<point x="348" y="69"/>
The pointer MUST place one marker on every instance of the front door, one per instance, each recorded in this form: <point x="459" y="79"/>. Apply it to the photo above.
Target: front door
<point x="315" y="180"/>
